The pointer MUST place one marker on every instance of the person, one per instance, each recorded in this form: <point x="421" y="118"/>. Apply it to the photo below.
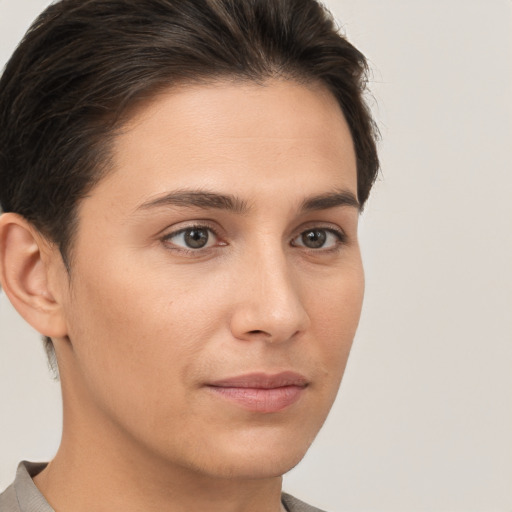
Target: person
<point x="181" y="182"/>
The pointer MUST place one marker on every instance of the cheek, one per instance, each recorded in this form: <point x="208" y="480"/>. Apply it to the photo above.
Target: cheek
<point x="141" y="324"/>
<point x="335" y="311"/>
<point x="135" y="350"/>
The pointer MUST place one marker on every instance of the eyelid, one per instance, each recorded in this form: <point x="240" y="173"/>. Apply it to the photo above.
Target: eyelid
<point x="333" y="230"/>
<point x="168" y="235"/>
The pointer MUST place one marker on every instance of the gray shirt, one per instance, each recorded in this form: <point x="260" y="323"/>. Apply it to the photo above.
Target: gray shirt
<point x="24" y="496"/>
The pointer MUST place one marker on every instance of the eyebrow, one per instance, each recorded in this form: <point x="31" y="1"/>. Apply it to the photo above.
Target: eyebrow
<point x="213" y="200"/>
<point x="198" y="199"/>
<point x="330" y="200"/>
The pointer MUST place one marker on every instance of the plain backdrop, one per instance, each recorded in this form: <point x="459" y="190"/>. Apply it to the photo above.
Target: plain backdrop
<point x="423" y="421"/>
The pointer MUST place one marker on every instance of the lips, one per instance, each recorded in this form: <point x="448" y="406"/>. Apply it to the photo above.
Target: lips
<point x="260" y="392"/>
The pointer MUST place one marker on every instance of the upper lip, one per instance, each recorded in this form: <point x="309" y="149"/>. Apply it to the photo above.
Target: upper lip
<point x="262" y="380"/>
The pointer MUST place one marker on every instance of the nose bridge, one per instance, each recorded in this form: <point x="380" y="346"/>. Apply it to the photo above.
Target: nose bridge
<point x="271" y="304"/>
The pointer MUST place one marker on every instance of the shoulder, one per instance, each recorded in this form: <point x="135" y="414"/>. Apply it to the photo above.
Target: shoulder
<point x="23" y="495"/>
<point x="9" y="501"/>
<point x="294" y="505"/>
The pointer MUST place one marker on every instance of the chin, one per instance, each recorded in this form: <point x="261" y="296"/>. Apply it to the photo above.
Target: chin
<point x="256" y="456"/>
<point x="255" y="466"/>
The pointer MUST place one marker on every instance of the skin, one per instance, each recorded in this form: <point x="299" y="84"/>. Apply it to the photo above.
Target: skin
<point x="145" y="323"/>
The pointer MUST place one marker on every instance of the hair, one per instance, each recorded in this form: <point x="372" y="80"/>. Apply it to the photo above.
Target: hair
<point x="84" y="65"/>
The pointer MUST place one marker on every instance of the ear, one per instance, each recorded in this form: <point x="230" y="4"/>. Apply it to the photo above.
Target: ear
<point x="28" y="277"/>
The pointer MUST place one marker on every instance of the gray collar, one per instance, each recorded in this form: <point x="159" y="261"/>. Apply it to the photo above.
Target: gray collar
<point x="28" y="495"/>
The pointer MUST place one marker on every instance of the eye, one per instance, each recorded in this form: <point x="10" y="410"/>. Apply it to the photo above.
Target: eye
<point x="318" y="238"/>
<point x="194" y="237"/>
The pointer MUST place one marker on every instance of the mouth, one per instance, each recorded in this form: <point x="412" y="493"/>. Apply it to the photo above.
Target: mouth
<point x="261" y="392"/>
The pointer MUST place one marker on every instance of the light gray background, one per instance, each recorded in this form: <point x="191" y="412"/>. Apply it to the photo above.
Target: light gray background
<point x="424" y="418"/>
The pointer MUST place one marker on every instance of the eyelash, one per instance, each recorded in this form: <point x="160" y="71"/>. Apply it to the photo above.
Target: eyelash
<point x="338" y="233"/>
<point x="191" y="251"/>
<point x="341" y="239"/>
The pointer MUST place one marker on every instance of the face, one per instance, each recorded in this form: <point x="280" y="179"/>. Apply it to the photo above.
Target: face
<point x="216" y="280"/>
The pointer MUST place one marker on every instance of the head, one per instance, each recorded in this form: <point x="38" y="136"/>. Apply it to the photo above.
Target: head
<point x="183" y="180"/>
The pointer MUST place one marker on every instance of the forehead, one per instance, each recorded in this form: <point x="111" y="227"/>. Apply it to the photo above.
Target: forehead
<point x="275" y="136"/>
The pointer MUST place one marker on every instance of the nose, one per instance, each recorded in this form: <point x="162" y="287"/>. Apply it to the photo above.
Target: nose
<point x="268" y="305"/>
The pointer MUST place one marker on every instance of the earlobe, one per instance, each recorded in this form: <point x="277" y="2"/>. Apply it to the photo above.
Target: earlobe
<point x="24" y="274"/>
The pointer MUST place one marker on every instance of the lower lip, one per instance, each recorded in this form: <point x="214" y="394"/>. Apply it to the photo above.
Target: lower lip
<point x="261" y="399"/>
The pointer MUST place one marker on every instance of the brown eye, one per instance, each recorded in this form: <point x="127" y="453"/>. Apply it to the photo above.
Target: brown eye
<point x="195" y="237"/>
<point x="319" y="238"/>
<point x="314" y="239"/>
